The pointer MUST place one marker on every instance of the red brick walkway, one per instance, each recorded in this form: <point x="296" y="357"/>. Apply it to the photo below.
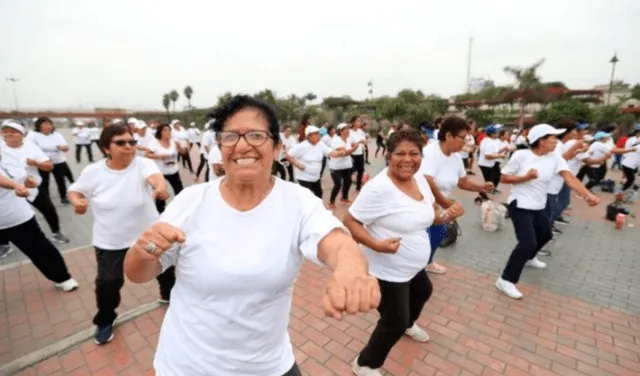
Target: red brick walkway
<point x="474" y="331"/>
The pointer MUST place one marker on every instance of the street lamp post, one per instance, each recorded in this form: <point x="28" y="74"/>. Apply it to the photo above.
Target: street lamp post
<point x="614" y="60"/>
<point x="15" y="95"/>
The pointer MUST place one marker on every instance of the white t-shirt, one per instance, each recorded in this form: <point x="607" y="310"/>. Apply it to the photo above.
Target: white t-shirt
<point x="208" y="139"/>
<point x="169" y="164"/>
<point x="311" y="157"/>
<point x="15" y="210"/>
<point x="532" y="195"/>
<point x="597" y="150"/>
<point x="95" y="133"/>
<point x="611" y="146"/>
<point x="120" y="201"/>
<point x="488" y="145"/>
<point x="194" y="134"/>
<point x="390" y="132"/>
<point x="231" y="302"/>
<point x="340" y="163"/>
<point x="83" y="136"/>
<point x="19" y="155"/>
<point x="326" y="139"/>
<point x="576" y="162"/>
<point x="215" y="157"/>
<point x="49" y="143"/>
<point x="632" y="159"/>
<point x="521" y="141"/>
<point x="181" y="136"/>
<point x="287" y="144"/>
<point x="356" y="135"/>
<point x="387" y="212"/>
<point x="469" y="143"/>
<point x="144" y="141"/>
<point x="555" y="186"/>
<point x="445" y="170"/>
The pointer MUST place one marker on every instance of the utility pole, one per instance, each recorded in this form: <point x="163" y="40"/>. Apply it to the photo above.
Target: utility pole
<point x="614" y="60"/>
<point x="15" y="95"/>
<point x="370" y="85"/>
<point x="469" y="66"/>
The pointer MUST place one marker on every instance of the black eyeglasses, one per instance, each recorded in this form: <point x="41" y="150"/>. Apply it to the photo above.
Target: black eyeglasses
<point x="124" y="142"/>
<point x="253" y="138"/>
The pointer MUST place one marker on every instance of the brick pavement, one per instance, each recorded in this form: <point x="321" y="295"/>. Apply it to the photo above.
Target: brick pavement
<point x="474" y="331"/>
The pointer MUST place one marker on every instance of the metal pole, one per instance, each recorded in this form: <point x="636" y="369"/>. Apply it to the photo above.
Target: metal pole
<point x="614" y="60"/>
<point x="469" y="66"/>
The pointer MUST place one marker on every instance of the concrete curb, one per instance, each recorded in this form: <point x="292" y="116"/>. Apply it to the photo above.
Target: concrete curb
<point x="66" y="343"/>
<point x="27" y="261"/>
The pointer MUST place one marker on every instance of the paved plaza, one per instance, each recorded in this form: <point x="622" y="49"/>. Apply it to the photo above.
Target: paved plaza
<point x="580" y="316"/>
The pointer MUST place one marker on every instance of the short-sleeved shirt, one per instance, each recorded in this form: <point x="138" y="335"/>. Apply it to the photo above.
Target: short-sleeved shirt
<point x="311" y="157"/>
<point x="446" y="170"/>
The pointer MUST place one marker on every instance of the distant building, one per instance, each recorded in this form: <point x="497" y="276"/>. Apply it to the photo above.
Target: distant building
<point x="620" y="92"/>
<point x="476" y="85"/>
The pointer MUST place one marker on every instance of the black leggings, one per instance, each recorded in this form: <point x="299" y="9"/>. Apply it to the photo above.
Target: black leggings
<point x="358" y="168"/>
<point x="176" y="184"/>
<point x="203" y="163"/>
<point x="278" y="170"/>
<point x="44" y="205"/>
<point x="186" y="160"/>
<point x="314" y="187"/>
<point x="109" y="282"/>
<point x="79" y="151"/>
<point x="30" y="239"/>
<point x="61" y="171"/>
<point x="341" y="180"/>
<point x="596" y="174"/>
<point x="491" y="174"/>
<point x="630" y="175"/>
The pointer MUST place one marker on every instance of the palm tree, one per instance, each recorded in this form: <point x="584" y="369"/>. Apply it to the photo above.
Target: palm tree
<point x="527" y="79"/>
<point x="166" y="101"/>
<point x="188" y="92"/>
<point x="310" y="97"/>
<point x="174" y="98"/>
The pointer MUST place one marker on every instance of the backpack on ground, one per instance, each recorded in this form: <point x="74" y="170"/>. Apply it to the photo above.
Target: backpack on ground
<point x="493" y="215"/>
<point x="608" y="186"/>
<point x="453" y="231"/>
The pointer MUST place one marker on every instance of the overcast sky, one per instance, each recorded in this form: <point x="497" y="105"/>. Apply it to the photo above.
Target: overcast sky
<point x="127" y="53"/>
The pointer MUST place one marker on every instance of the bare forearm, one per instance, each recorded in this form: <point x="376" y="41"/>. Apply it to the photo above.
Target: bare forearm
<point x="467" y="184"/>
<point x="359" y="233"/>
<point x="340" y="252"/>
<point x="46" y="166"/>
<point x="157" y="181"/>
<point x="574" y="184"/>
<point x="513" y="179"/>
<point x="7" y="183"/>
<point x="74" y="196"/>
<point x="439" y="197"/>
<point x="138" y="270"/>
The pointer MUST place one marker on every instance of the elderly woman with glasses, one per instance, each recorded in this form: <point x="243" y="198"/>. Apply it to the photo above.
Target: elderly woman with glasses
<point x="120" y="192"/>
<point x="238" y="244"/>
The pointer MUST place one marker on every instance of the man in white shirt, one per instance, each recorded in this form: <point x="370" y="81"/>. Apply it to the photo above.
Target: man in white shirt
<point x="83" y="139"/>
<point x="358" y="137"/>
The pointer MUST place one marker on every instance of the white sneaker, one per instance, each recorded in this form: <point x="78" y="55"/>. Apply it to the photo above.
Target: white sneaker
<point x="68" y="285"/>
<point x="508" y="288"/>
<point x="535" y="263"/>
<point x="417" y="333"/>
<point x="359" y="370"/>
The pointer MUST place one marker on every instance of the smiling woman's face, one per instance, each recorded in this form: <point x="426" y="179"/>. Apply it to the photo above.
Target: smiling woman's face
<point x="404" y="161"/>
<point x="244" y="162"/>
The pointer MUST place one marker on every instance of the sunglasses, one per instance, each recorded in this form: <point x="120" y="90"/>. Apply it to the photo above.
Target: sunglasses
<point x="124" y="142"/>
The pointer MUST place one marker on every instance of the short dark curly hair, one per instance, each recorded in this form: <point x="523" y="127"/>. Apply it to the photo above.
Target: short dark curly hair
<point x="110" y="132"/>
<point x="404" y="135"/>
<point x="240" y="102"/>
<point x="454" y="125"/>
<point x="41" y="120"/>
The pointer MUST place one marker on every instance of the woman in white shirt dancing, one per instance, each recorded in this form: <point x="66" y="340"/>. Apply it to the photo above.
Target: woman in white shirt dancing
<point x="164" y="151"/>
<point x="341" y="167"/>
<point x="389" y="218"/>
<point x="120" y="192"/>
<point x="531" y="171"/>
<point x="232" y="299"/>
<point x="54" y="146"/>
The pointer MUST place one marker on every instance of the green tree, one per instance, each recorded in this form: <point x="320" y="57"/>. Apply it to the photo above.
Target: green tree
<point x="527" y="79"/>
<point x="411" y="96"/>
<point x="310" y="97"/>
<point x="483" y="118"/>
<point x="392" y="109"/>
<point x="635" y="92"/>
<point x="224" y="98"/>
<point x="166" y="102"/>
<point x="174" y="98"/>
<point x="268" y="96"/>
<point x="574" y="110"/>
<point x="188" y="93"/>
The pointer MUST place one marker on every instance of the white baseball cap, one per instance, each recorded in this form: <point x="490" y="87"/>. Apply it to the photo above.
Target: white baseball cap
<point x="342" y="126"/>
<point x="13" y="125"/>
<point x="193" y="124"/>
<point x="542" y="130"/>
<point x="141" y="124"/>
<point x="311" y="129"/>
<point x="175" y="121"/>
<point x="132" y="120"/>
<point x="80" y="123"/>
<point x="587" y="138"/>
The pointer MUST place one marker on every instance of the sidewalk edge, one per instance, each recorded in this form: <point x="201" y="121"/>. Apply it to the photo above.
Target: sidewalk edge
<point x="27" y="261"/>
<point x="66" y="343"/>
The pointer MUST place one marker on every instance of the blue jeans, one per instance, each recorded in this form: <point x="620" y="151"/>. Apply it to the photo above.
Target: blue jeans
<point x="437" y="233"/>
<point x="564" y="199"/>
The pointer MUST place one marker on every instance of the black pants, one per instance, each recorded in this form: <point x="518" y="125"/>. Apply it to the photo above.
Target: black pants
<point x="61" y="171"/>
<point x="314" y="187"/>
<point x="324" y="165"/>
<point x="278" y="170"/>
<point x="584" y="170"/>
<point x="186" y="160"/>
<point x="176" y="184"/>
<point x="79" y="151"/>
<point x="99" y="148"/>
<point x="596" y="174"/>
<point x="491" y="174"/>
<point x="380" y="146"/>
<point x="30" y="239"/>
<point x="290" y="172"/>
<point x="630" y="175"/>
<point x="294" y="371"/>
<point x="358" y="168"/>
<point x="465" y="162"/>
<point x="532" y="233"/>
<point x="366" y="154"/>
<point x="44" y="205"/>
<point x="399" y="309"/>
<point x="341" y="180"/>
<point x="110" y="280"/>
<point x="203" y="163"/>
